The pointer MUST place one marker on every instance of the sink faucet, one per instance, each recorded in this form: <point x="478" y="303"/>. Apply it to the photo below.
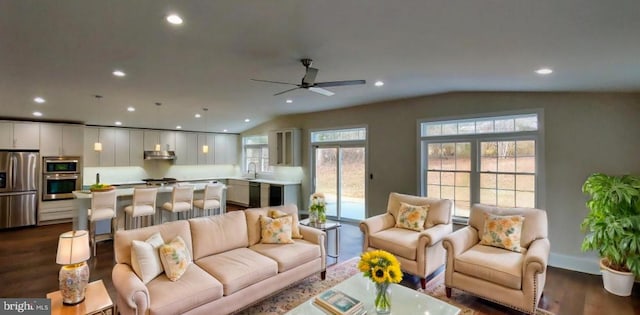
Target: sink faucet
<point x="254" y="169"/>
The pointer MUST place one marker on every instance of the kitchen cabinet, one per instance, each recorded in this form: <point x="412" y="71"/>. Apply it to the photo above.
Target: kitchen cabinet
<point x="285" y="147"/>
<point x="19" y="135"/>
<point x="107" y="136"/>
<point x="56" y="211"/>
<point x="122" y="147"/>
<point x="151" y="138"/>
<point x="168" y="140"/>
<point x="226" y="149"/>
<point x="186" y="148"/>
<point x="90" y="157"/>
<point x="264" y="195"/>
<point x="206" y="157"/>
<point x="238" y="192"/>
<point x="136" y="144"/>
<point x="61" y="140"/>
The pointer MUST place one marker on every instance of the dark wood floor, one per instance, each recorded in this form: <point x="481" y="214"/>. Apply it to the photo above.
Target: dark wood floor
<point x="28" y="269"/>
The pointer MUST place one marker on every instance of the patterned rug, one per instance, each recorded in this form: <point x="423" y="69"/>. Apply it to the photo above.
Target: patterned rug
<point x="296" y="294"/>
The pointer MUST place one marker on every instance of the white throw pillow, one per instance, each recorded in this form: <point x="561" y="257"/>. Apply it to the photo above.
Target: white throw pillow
<point x="145" y="259"/>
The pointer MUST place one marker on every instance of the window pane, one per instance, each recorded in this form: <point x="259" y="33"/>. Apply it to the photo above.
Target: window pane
<point x="525" y="153"/>
<point x="434" y="160"/>
<point x="447" y="178"/>
<point x="488" y="196"/>
<point x="447" y="192"/>
<point x="506" y="156"/>
<point x="467" y="127"/>
<point x="463" y="156"/>
<point x="488" y="156"/>
<point x="484" y="126"/>
<point x="433" y="130"/>
<point x="506" y="181"/>
<point x="527" y="123"/>
<point x="506" y="198"/>
<point x="433" y="191"/>
<point x="462" y="194"/>
<point x="462" y="179"/>
<point x="504" y="125"/>
<point x="462" y="208"/>
<point x="488" y="181"/>
<point x="448" y="156"/>
<point x="526" y="182"/>
<point x="449" y="129"/>
<point x="525" y="199"/>
<point x="433" y="178"/>
<point x="339" y="135"/>
<point x="496" y="124"/>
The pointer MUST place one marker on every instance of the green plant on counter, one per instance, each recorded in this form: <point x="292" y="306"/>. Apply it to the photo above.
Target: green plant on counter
<point x="613" y="222"/>
<point x="100" y="187"/>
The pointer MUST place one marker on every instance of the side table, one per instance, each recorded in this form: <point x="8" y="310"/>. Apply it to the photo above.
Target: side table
<point x="326" y="227"/>
<point x="96" y="301"/>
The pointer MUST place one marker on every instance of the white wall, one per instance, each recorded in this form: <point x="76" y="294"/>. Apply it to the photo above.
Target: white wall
<point x="157" y="169"/>
<point x="584" y="133"/>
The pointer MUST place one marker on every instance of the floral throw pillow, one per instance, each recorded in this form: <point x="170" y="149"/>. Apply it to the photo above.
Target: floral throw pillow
<point x="295" y="230"/>
<point x="276" y="231"/>
<point x="502" y="231"/>
<point x="175" y="258"/>
<point x="411" y="217"/>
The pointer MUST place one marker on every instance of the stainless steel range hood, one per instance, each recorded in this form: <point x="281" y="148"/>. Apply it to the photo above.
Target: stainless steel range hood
<point x="159" y="155"/>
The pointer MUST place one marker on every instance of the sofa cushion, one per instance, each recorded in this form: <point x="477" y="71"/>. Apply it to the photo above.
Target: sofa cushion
<point x="145" y="259"/>
<point x="276" y="231"/>
<point x="195" y="288"/>
<point x="238" y="268"/>
<point x="401" y="242"/>
<point x="289" y="256"/>
<point x="219" y="233"/>
<point x="492" y="264"/>
<point x="411" y="217"/>
<point x="175" y="258"/>
<point x="502" y="231"/>
<point x="253" y="220"/>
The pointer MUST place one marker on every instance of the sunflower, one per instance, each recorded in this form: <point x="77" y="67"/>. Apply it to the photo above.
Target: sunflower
<point x="380" y="266"/>
<point x="378" y="274"/>
<point x="394" y="274"/>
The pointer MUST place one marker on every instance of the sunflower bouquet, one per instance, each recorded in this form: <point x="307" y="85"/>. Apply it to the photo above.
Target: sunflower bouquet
<point x="382" y="268"/>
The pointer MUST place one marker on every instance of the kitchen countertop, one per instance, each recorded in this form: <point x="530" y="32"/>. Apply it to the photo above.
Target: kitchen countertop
<point x="204" y="180"/>
<point x="123" y="192"/>
<point x="266" y="181"/>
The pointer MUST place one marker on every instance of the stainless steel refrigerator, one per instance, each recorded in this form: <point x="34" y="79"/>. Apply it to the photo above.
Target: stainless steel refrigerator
<point x="19" y="173"/>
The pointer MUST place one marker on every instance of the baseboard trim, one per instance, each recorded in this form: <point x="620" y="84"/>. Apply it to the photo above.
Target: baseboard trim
<point x="581" y="264"/>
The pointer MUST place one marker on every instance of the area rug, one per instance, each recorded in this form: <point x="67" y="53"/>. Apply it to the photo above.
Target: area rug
<point x="300" y="292"/>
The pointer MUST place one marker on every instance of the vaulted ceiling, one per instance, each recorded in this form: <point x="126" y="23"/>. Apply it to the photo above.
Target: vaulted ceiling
<point x="66" y="51"/>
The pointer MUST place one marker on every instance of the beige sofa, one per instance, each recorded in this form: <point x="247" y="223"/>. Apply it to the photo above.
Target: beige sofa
<point x="514" y="279"/>
<point x="231" y="269"/>
<point x="419" y="253"/>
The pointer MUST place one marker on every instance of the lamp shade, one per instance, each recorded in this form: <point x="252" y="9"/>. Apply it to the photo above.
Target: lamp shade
<point x="73" y="248"/>
<point x="205" y="149"/>
<point x="157" y="147"/>
<point x="97" y="146"/>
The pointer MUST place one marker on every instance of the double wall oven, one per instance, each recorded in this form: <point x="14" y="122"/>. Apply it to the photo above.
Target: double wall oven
<point x="61" y="175"/>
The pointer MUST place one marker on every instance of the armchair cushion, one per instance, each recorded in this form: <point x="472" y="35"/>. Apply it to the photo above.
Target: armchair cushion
<point x="401" y="242"/>
<point x="439" y="209"/>
<point x="492" y="264"/>
<point x="502" y="231"/>
<point x="411" y="217"/>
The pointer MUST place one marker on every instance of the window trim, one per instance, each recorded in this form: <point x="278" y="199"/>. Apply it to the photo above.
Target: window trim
<point x="538" y="136"/>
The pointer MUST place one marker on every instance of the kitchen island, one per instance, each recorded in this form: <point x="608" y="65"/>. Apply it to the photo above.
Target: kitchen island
<point x="124" y="198"/>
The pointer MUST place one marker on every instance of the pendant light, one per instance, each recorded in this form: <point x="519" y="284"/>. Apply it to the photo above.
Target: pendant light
<point x="205" y="147"/>
<point x="97" y="146"/>
<point x="158" y="147"/>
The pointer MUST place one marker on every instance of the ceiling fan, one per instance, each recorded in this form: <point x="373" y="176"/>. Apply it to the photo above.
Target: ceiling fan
<point x="309" y="81"/>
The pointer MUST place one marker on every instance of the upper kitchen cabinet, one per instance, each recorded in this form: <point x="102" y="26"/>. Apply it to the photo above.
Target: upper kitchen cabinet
<point x="136" y="144"/>
<point x="186" y="148"/>
<point x="107" y="137"/>
<point x="61" y="140"/>
<point x="19" y="135"/>
<point x="151" y="139"/>
<point x="90" y="156"/>
<point x="168" y="140"/>
<point x="206" y="140"/>
<point x="285" y="147"/>
<point x="122" y="147"/>
<point x="226" y="149"/>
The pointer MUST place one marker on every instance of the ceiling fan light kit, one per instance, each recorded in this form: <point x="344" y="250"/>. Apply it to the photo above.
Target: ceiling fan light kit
<point x="309" y="81"/>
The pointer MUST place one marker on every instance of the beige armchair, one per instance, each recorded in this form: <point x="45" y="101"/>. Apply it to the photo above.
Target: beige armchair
<point x="419" y="253"/>
<point x="513" y="279"/>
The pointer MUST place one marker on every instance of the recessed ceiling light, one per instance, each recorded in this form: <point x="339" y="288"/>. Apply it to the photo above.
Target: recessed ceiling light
<point x="37" y="114"/>
<point x="118" y="123"/>
<point x="289" y="101"/>
<point x="247" y="120"/>
<point x="544" y="71"/>
<point x="131" y="109"/>
<point x="379" y="83"/>
<point x="225" y="130"/>
<point x="39" y="100"/>
<point x="119" y="73"/>
<point x="174" y="19"/>
<point x="178" y="127"/>
<point x="197" y="116"/>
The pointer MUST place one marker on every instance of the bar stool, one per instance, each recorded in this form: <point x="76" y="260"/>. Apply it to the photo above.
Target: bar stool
<point x="103" y="207"/>
<point x="211" y="199"/>
<point x="144" y="204"/>
<point x="181" y="200"/>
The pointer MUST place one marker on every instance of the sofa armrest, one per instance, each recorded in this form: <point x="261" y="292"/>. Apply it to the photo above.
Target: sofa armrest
<point x="537" y="256"/>
<point x="131" y="289"/>
<point x="377" y="223"/>
<point x="460" y="241"/>
<point x="317" y="237"/>
<point x="434" y="234"/>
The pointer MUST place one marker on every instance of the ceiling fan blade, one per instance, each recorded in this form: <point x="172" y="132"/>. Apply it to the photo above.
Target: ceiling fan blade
<point x="310" y="76"/>
<point x="321" y="91"/>
<point x="289" y="90"/>
<point x="278" y="82"/>
<point x="339" y="83"/>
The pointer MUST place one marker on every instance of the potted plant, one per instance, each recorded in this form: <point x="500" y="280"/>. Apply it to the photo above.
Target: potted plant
<point x="613" y="228"/>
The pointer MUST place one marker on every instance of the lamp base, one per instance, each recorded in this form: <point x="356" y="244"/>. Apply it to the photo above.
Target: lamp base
<point x="73" y="281"/>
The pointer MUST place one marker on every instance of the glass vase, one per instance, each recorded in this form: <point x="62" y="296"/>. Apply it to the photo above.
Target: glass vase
<point x="383" y="298"/>
<point x="313" y="217"/>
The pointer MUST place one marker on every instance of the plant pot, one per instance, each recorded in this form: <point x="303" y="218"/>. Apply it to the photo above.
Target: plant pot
<point x="616" y="282"/>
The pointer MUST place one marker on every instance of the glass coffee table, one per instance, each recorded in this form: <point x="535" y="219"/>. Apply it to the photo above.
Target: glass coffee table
<point x="403" y="299"/>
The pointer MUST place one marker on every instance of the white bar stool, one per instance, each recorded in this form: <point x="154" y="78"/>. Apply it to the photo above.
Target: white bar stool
<point x="144" y="204"/>
<point x="181" y="200"/>
<point x="211" y="199"/>
<point x="103" y="207"/>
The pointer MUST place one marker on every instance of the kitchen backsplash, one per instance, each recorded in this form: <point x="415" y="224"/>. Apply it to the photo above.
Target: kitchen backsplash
<point x="157" y="170"/>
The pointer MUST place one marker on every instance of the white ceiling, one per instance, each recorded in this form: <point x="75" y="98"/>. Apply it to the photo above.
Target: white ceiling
<point x="65" y="51"/>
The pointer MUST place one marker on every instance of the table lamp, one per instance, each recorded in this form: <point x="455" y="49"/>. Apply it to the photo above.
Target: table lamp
<point x="73" y="252"/>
